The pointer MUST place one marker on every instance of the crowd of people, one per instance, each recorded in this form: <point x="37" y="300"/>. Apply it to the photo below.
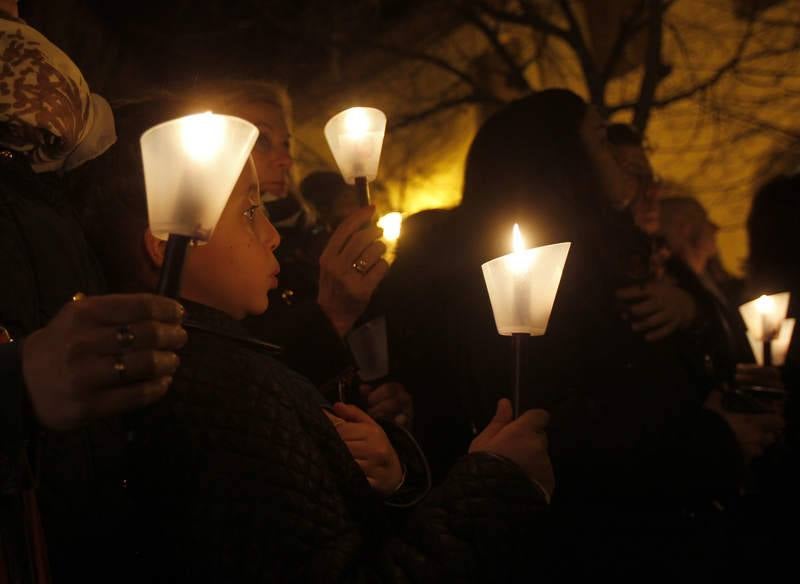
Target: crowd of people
<point x="227" y="435"/>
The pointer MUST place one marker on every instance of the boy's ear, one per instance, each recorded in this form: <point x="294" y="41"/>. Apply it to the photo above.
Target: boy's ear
<point x="154" y="247"/>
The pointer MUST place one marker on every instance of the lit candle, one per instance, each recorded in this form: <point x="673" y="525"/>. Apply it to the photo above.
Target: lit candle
<point x="191" y="165"/>
<point x="202" y="136"/>
<point x="522" y="287"/>
<point x="355" y="137"/>
<point x="779" y="346"/>
<point x="519" y="262"/>
<point x="356" y="128"/>
<point x="769" y="325"/>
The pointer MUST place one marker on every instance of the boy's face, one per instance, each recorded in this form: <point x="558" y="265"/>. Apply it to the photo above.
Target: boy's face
<point x="236" y="269"/>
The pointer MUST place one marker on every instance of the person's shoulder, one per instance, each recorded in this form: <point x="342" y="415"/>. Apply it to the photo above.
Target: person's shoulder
<point x="228" y="355"/>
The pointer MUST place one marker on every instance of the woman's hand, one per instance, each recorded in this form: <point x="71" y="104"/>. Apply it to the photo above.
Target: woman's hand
<point x="100" y="356"/>
<point x="659" y="308"/>
<point x="523" y="441"/>
<point x="391" y="401"/>
<point x="351" y="267"/>
<point x="370" y="447"/>
<point x="754" y="432"/>
<point x="752" y="374"/>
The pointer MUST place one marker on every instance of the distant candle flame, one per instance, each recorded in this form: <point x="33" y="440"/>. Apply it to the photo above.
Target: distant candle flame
<point x="391" y="224"/>
<point x="765" y="305"/>
<point x="203" y="136"/>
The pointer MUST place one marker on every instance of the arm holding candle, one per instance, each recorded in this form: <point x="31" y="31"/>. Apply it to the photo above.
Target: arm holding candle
<point x="522" y="441"/>
<point x="752" y="374"/>
<point x="342" y="531"/>
<point x="754" y="432"/>
<point x="345" y="288"/>
<point x="68" y="364"/>
<point x="370" y="447"/>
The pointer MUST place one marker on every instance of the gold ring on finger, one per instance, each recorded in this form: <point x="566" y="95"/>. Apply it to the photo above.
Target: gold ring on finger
<point x="120" y="368"/>
<point x="78" y="296"/>
<point x="361" y="266"/>
<point x="125" y="337"/>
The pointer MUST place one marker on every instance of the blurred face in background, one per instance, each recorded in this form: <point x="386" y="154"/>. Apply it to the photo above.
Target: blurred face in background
<point x="272" y="152"/>
<point x="705" y="244"/>
<point x="689" y="231"/>
<point x="645" y="207"/>
<point x="618" y="186"/>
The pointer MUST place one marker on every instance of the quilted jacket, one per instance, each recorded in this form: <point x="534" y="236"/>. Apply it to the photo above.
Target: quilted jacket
<point x="237" y="476"/>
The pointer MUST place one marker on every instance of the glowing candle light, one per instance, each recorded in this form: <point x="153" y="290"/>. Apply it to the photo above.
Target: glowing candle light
<point x="191" y="165"/>
<point x="391" y="223"/>
<point x="202" y="136"/>
<point x="355" y="137"/>
<point x="764" y="318"/>
<point x="522" y="288"/>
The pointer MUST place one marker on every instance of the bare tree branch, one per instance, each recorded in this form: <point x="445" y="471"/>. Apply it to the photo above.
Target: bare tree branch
<point x="440" y="107"/>
<point x="441" y="63"/>
<point x="594" y="82"/>
<point x="697" y="88"/>
<point x="515" y="71"/>
<point x="534" y="19"/>
<point x="629" y="27"/>
<point x="652" y="73"/>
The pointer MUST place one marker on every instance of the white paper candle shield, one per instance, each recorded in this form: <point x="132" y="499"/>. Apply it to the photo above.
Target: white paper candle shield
<point x="191" y="165"/>
<point x="780" y="345"/>
<point x="765" y="315"/>
<point x="369" y="347"/>
<point x="355" y="137"/>
<point x="522" y="287"/>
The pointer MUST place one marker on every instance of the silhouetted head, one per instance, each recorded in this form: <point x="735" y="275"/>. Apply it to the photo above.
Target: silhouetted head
<point x="544" y="160"/>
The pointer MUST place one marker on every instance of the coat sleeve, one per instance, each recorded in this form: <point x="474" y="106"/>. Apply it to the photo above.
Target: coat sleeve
<point x="471" y="528"/>
<point x="253" y="484"/>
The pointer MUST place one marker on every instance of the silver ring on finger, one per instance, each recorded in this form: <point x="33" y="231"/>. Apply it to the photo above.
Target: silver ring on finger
<point x="361" y="266"/>
<point x="120" y="368"/>
<point x="125" y="337"/>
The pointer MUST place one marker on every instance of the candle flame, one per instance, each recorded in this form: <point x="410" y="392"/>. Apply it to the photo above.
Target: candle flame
<point x="519" y="260"/>
<point x="203" y="136"/>
<point x="765" y="305"/>
<point x="356" y="122"/>
<point x="517" y="243"/>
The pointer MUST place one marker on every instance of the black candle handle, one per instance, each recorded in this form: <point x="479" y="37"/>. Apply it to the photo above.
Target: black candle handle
<point x="169" y="283"/>
<point x="520" y="344"/>
<point x="362" y="191"/>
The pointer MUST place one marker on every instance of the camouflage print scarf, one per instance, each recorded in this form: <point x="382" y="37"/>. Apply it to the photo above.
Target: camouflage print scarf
<point x="46" y="109"/>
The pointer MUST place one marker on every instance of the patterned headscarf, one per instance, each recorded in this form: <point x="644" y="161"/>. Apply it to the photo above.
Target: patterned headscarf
<point x="46" y="109"/>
